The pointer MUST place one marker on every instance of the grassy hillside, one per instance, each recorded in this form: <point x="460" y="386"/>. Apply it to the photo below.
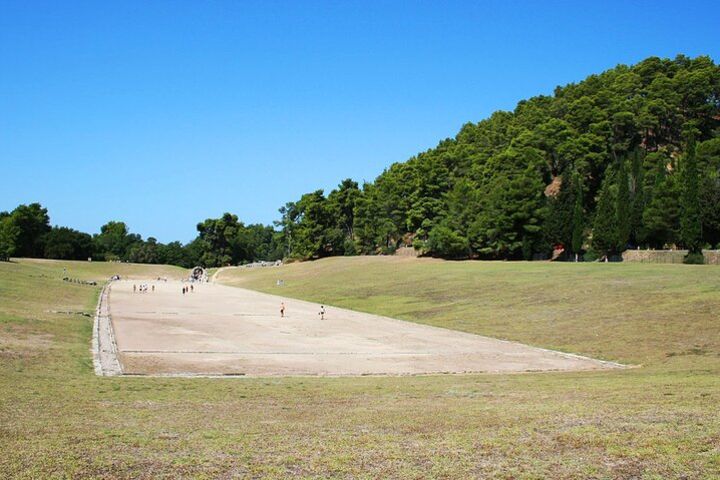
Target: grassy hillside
<point x="632" y="313"/>
<point x="57" y="420"/>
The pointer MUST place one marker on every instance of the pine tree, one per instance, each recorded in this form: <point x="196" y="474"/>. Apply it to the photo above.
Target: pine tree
<point x="690" y="226"/>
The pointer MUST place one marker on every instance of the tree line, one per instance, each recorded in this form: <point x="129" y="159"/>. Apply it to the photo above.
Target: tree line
<point x="26" y="232"/>
<point x="626" y="158"/>
<point x="623" y="159"/>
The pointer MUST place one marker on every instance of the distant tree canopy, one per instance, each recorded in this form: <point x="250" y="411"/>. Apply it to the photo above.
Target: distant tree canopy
<point x="227" y="241"/>
<point x="31" y="223"/>
<point x="223" y="241"/>
<point x="115" y="241"/>
<point x="67" y="244"/>
<point x="599" y="166"/>
<point x="629" y="157"/>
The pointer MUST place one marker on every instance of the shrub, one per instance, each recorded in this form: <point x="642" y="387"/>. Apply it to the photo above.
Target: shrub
<point x="694" y="259"/>
<point x="446" y="243"/>
<point x="349" y="248"/>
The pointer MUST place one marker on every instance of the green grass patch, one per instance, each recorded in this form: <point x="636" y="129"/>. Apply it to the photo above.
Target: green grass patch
<point x="58" y="420"/>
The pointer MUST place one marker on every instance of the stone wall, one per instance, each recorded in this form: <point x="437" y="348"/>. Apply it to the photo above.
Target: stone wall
<point x="712" y="257"/>
<point x="406" y="252"/>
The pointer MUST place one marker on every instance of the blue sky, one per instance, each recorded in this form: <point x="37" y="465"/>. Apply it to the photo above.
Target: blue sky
<point x="162" y="114"/>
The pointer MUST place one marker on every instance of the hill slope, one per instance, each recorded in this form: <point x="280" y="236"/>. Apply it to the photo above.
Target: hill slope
<point x="632" y="313"/>
<point x="517" y="183"/>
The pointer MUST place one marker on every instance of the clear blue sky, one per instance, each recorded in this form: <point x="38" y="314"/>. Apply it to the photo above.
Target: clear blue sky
<point x="165" y="113"/>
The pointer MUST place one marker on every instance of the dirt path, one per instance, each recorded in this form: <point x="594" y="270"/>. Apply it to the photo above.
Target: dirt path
<point x="213" y="279"/>
<point x="221" y="330"/>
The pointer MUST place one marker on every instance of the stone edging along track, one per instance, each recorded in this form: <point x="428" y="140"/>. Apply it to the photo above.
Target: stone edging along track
<point x="104" y="348"/>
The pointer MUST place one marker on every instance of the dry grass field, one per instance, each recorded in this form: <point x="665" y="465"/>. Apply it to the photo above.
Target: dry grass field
<point x="660" y="420"/>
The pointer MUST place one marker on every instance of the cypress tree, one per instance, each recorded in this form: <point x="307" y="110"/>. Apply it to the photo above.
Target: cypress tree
<point x="638" y="198"/>
<point x="690" y="226"/>
<point x="660" y="217"/>
<point x="558" y="221"/>
<point x="578" y="219"/>
<point x="605" y="228"/>
<point x="622" y="208"/>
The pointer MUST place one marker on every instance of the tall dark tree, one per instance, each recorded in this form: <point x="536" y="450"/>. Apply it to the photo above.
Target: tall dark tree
<point x="9" y="233"/>
<point x="708" y="160"/>
<point x="342" y="202"/>
<point x="32" y="223"/>
<point x="578" y="218"/>
<point x="216" y="236"/>
<point x="375" y="225"/>
<point x="690" y="224"/>
<point x="623" y="207"/>
<point x="510" y="218"/>
<point x="289" y="217"/>
<point x="558" y="221"/>
<point x="114" y="241"/>
<point x="605" y="228"/>
<point x="314" y="232"/>
<point x="638" y="198"/>
<point x="662" y="209"/>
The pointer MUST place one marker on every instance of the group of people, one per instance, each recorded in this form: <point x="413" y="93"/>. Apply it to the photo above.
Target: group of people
<point x="321" y="312"/>
<point x="143" y="288"/>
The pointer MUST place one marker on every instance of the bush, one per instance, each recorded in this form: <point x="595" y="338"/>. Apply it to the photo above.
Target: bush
<point x="694" y="259"/>
<point x="591" y="255"/>
<point x="349" y="248"/>
<point x="445" y="243"/>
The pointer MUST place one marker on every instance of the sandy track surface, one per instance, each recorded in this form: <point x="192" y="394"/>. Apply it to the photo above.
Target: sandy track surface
<point x="221" y="330"/>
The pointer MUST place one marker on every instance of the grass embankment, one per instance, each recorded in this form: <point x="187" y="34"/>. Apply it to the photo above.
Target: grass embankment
<point x="631" y="313"/>
<point x="58" y="420"/>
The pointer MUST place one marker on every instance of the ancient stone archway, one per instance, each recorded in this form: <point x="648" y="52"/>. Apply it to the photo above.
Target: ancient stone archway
<point x="198" y="274"/>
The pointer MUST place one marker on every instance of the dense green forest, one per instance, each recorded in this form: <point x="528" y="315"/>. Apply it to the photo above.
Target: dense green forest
<point x="627" y="158"/>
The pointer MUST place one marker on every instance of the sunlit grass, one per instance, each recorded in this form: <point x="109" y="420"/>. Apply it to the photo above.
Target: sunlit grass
<point x="57" y="419"/>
